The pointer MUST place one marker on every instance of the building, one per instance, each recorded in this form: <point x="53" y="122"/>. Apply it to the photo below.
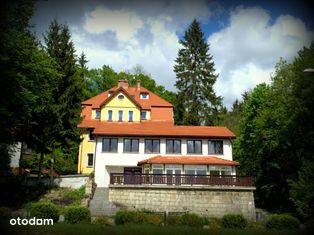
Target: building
<point x="130" y="139"/>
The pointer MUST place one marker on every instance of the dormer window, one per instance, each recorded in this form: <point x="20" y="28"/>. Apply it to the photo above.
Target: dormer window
<point x="143" y="115"/>
<point x="110" y="93"/>
<point x="97" y="116"/>
<point x="144" y="96"/>
<point x="121" y="97"/>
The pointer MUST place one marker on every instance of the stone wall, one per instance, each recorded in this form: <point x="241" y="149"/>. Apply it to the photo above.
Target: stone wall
<point x="206" y="201"/>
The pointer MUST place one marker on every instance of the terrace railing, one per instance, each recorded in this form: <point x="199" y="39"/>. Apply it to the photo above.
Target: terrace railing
<point x="199" y="180"/>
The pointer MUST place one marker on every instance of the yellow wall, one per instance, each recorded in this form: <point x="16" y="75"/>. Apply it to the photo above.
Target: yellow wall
<point x="125" y="105"/>
<point x="86" y="147"/>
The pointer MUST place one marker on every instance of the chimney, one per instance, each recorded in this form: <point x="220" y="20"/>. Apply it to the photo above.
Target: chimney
<point x="124" y="84"/>
<point x="138" y="85"/>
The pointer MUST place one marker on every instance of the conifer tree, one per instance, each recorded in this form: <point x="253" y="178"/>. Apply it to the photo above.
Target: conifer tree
<point x="196" y="77"/>
<point x="69" y="94"/>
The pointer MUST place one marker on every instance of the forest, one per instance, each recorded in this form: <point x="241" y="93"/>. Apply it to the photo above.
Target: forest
<point x="44" y="82"/>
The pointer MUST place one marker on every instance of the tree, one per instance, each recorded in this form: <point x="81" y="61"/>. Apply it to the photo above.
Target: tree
<point x="196" y="77"/>
<point x="276" y="137"/>
<point x="302" y="187"/>
<point x="69" y="91"/>
<point x="26" y="72"/>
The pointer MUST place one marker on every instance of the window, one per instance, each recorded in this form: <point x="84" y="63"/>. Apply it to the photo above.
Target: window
<point x="194" y="146"/>
<point x="130" y="145"/>
<point x="158" y="169"/>
<point x="144" y="96"/>
<point x="195" y="170"/>
<point x="120" y="115"/>
<point x="130" y="116"/>
<point x="152" y="146"/>
<point x="215" y="147"/>
<point x="121" y="97"/>
<point x="97" y="114"/>
<point x="109" y="115"/>
<point x="173" y="146"/>
<point x="110" y="145"/>
<point x="90" y="134"/>
<point x="143" y="115"/>
<point x="90" y="160"/>
<point x="220" y="170"/>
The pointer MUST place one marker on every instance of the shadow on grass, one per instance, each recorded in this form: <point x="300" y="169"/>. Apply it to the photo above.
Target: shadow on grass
<point x="95" y="229"/>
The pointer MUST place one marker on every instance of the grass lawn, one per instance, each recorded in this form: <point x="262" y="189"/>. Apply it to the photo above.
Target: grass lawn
<point x="96" y="229"/>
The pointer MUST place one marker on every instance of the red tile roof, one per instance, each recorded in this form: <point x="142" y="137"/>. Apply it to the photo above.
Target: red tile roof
<point x="153" y="101"/>
<point x="208" y="160"/>
<point x="158" y="129"/>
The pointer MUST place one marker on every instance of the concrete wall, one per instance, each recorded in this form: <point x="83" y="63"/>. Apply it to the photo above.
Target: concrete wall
<point x="205" y="201"/>
<point x="66" y="181"/>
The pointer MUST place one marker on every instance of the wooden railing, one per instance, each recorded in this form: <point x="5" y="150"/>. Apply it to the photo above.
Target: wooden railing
<point x="150" y="179"/>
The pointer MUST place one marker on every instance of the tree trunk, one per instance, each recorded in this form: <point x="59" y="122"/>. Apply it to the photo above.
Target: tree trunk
<point x="52" y="164"/>
<point x="21" y="158"/>
<point x="40" y="163"/>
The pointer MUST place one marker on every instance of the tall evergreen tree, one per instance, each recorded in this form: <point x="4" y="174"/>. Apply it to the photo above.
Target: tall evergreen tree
<point x="69" y="93"/>
<point x="195" y="79"/>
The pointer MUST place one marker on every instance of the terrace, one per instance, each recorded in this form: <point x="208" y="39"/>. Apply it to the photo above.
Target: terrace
<point x="184" y="180"/>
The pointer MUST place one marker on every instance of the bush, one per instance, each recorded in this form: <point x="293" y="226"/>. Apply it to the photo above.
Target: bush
<point x="173" y="220"/>
<point x="255" y="225"/>
<point x="214" y="223"/>
<point x="104" y="220"/>
<point x="45" y="210"/>
<point x="234" y="221"/>
<point x="124" y="217"/>
<point x="76" y="214"/>
<point x="153" y="219"/>
<point x="282" y="221"/>
<point x="194" y="220"/>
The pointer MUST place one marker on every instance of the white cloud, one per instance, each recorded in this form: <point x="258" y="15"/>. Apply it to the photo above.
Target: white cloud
<point x="124" y="23"/>
<point x="246" y="51"/>
<point x="156" y="57"/>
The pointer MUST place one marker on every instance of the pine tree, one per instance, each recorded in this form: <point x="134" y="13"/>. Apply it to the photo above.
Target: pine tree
<point x="69" y="94"/>
<point x="195" y="80"/>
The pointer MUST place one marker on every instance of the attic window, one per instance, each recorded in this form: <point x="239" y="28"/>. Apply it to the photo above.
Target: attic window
<point x="121" y="97"/>
<point x="144" y="96"/>
<point x="97" y="114"/>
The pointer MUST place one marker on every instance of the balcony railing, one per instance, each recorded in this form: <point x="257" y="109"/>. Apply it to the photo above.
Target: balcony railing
<point x="155" y="179"/>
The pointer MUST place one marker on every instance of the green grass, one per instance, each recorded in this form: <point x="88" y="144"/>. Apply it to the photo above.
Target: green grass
<point x="95" y="229"/>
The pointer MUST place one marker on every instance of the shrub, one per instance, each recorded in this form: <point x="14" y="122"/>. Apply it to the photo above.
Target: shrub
<point x="214" y="223"/>
<point x="104" y="220"/>
<point x="153" y="219"/>
<point x="76" y="214"/>
<point x="255" y="225"/>
<point x="123" y="217"/>
<point x="173" y="220"/>
<point x="282" y="221"/>
<point x="234" y="221"/>
<point x="44" y="210"/>
<point x="194" y="220"/>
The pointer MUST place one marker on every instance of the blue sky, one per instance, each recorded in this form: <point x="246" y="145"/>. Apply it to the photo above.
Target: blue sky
<point x="247" y="38"/>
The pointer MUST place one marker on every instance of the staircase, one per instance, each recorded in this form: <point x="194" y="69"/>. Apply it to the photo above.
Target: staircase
<point x="100" y="204"/>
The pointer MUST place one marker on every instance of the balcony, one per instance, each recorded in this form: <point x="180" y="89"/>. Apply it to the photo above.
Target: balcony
<point x="178" y="180"/>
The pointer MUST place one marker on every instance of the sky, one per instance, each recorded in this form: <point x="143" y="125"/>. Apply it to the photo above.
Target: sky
<point x="247" y="38"/>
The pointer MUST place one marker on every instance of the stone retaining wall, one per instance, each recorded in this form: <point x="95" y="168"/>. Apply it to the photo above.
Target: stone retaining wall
<point x="206" y="201"/>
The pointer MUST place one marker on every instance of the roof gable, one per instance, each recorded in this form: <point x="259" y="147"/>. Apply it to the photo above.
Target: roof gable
<point x="116" y="93"/>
